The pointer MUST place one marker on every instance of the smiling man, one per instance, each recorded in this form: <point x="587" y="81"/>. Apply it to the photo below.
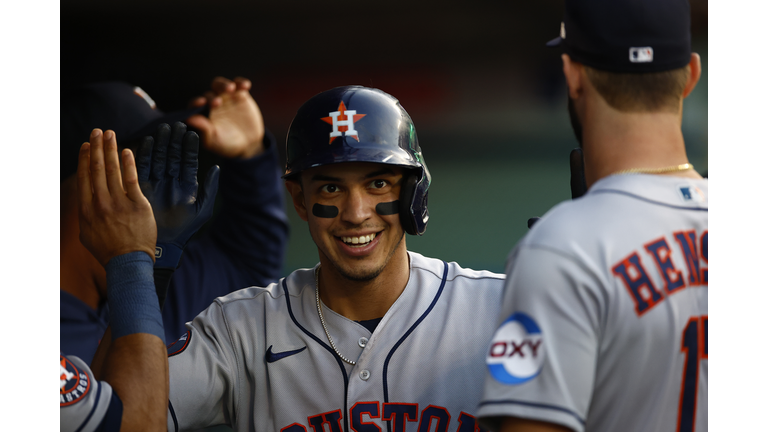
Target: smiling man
<point x="374" y="337"/>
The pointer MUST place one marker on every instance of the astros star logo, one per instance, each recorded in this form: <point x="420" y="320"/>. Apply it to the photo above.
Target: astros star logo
<point x="65" y="375"/>
<point x="343" y="121"/>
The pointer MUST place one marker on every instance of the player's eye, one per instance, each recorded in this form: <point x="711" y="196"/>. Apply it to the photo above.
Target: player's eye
<point x="329" y="188"/>
<point x="379" y="184"/>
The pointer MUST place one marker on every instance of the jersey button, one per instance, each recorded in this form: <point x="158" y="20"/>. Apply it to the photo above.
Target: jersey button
<point x="365" y="374"/>
<point x="362" y="342"/>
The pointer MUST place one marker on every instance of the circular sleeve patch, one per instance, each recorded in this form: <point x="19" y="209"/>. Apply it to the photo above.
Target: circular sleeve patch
<point x="75" y="383"/>
<point x="517" y="351"/>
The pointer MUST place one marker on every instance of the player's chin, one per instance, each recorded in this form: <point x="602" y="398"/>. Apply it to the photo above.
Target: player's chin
<point x="361" y="273"/>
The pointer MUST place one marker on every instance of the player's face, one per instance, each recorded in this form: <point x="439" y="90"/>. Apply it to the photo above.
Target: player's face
<point x="357" y="241"/>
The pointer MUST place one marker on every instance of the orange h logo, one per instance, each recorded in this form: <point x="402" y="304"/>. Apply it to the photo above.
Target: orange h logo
<point x="343" y="121"/>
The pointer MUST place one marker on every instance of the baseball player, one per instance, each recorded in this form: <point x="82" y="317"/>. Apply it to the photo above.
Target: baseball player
<point x="245" y="244"/>
<point x="117" y="226"/>
<point x="604" y="317"/>
<point x="374" y="337"/>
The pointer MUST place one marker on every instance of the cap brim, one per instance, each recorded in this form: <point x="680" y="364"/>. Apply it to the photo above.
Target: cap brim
<point x="555" y="42"/>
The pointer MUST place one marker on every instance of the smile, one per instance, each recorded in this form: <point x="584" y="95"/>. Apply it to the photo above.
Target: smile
<point x="358" y="241"/>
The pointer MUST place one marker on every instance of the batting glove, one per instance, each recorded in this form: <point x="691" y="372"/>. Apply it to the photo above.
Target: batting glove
<point x="167" y="170"/>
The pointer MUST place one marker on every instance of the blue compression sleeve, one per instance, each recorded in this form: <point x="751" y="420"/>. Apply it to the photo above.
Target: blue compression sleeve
<point x="133" y="304"/>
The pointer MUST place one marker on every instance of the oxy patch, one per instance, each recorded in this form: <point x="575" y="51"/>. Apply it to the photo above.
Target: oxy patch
<point x="324" y="211"/>
<point x="75" y="383"/>
<point x="517" y="351"/>
<point x="180" y="345"/>
<point x="388" y="208"/>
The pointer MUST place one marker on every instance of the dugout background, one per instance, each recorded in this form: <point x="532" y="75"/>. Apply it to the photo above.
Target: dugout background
<point x="487" y="98"/>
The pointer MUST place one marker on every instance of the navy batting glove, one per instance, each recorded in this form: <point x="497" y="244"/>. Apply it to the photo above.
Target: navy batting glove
<point x="167" y="170"/>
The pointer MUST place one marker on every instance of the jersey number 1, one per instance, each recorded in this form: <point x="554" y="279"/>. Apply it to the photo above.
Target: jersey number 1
<point x="694" y="346"/>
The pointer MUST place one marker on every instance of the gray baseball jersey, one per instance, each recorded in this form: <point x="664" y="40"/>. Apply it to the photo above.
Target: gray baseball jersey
<point x="259" y="359"/>
<point x="84" y="401"/>
<point x="604" y="316"/>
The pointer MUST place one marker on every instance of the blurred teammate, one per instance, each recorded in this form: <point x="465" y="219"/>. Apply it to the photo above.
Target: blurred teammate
<point x="604" y="322"/>
<point x="117" y="226"/>
<point x="244" y="246"/>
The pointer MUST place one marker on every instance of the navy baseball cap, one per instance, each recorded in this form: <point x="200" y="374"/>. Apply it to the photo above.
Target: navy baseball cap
<point x="124" y="108"/>
<point x="627" y="35"/>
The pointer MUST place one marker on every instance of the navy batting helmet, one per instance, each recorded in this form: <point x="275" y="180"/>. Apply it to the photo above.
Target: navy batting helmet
<point x="361" y="124"/>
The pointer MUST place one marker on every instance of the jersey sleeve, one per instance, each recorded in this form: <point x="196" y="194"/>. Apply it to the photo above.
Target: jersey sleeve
<point x="244" y="245"/>
<point x="542" y="358"/>
<point x="202" y="371"/>
<point x="86" y="404"/>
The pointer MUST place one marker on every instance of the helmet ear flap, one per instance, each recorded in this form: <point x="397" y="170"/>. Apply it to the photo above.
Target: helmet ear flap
<point x="407" y="191"/>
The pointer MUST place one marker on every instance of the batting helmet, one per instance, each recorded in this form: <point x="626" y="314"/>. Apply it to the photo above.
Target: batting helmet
<point x="361" y="124"/>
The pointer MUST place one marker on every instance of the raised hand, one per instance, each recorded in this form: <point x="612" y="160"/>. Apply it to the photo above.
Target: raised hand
<point x="167" y="173"/>
<point x="234" y="127"/>
<point x="115" y="217"/>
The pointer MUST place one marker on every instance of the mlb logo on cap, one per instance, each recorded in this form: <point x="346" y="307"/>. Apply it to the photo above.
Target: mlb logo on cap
<point x="641" y="55"/>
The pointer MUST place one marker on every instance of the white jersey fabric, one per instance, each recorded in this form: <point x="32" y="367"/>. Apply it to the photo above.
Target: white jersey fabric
<point x="258" y="359"/>
<point x="84" y="401"/>
<point x="604" y="317"/>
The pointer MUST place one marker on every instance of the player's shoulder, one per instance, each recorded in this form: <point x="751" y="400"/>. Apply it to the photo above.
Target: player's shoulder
<point x="84" y="401"/>
<point x="292" y="285"/>
<point x="454" y="272"/>
<point x="76" y="380"/>
<point x="615" y="203"/>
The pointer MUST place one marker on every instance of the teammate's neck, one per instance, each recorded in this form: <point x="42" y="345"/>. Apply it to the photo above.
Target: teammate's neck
<point x="615" y="141"/>
<point x="365" y="300"/>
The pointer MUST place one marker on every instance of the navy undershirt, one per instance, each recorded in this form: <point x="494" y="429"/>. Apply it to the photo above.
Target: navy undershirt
<point x="370" y="324"/>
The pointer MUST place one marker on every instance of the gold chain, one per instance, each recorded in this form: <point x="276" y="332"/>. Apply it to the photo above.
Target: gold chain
<point x="665" y="170"/>
<point x="322" y="320"/>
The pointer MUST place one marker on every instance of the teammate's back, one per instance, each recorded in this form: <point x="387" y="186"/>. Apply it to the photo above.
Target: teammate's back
<point x="604" y="317"/>
<point x="634" y="298"/>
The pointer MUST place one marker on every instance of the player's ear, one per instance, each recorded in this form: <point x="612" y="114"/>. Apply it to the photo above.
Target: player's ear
<point x="574" y="76"/>
<point x="693" y="77"/>
<point x="297" y="195"/>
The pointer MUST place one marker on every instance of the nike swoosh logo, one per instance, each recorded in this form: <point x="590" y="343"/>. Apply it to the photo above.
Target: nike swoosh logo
<point x="273" y="357"/>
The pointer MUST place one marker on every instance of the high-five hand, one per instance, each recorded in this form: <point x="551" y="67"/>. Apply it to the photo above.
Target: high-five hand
<point x="167" y="170"/>
<point x="234" y="128"/>
<point x="115" y="217"/>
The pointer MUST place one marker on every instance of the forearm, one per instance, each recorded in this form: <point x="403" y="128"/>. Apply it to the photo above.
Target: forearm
<point x="132" y="356"/>
<point x="137" y="369"/>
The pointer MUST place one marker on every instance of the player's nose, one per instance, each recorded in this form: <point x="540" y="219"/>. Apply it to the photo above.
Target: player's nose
<point x="358" y="207"/>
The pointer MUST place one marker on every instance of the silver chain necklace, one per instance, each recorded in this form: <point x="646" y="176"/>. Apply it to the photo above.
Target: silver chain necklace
<point x="322" y="320"/>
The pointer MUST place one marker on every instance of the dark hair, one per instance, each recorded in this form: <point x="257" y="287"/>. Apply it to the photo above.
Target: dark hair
<point x="641" y="92"/>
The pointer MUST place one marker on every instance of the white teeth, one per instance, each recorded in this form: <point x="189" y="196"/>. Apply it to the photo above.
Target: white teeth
<point x="359" y="240"/>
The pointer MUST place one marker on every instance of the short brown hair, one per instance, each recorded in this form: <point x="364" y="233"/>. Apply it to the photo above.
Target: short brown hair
<point x="640" y="92"/>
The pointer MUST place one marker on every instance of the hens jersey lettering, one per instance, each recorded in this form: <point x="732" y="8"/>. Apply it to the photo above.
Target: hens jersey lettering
<point x="259" y="359"/>
<point x="616" y="284"/>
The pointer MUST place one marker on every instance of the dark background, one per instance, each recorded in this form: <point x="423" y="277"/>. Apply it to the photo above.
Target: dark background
<point x="486" y="96"/>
